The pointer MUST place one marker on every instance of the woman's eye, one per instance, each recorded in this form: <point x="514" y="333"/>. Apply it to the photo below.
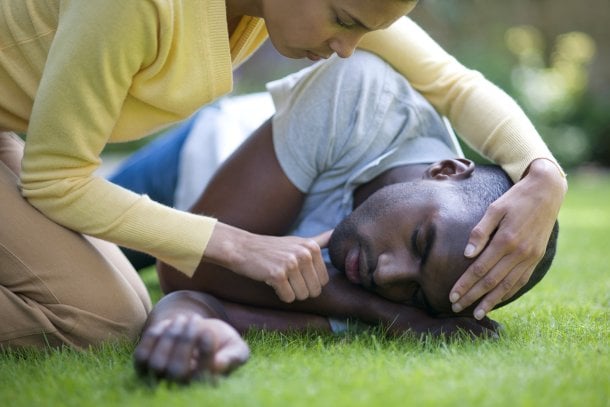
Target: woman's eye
<point x="343" y="23"/>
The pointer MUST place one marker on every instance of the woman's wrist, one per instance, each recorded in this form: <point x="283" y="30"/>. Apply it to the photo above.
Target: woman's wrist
<point x="223" y="247"/>
<point x="547" y="173"/>
<point x="547" y="169"/>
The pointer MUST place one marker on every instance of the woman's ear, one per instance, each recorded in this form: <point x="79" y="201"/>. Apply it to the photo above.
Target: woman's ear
<point x="455" y="169"/>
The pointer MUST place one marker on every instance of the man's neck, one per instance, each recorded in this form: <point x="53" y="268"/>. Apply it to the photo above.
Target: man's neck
<point x="404" y="173"/>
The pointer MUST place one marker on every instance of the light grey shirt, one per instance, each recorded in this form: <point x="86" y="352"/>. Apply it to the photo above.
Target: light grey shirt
<point x="341" y="123"/>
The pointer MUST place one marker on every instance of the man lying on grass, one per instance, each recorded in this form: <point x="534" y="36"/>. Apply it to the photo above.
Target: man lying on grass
<point x="400" y="222"/>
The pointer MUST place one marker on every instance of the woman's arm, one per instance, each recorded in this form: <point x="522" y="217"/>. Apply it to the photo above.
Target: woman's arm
<point x="340" y="299"/>
<point x="524" y="218"/>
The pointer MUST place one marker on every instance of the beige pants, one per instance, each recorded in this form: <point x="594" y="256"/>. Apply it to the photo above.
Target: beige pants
<point x="57" y="286"/>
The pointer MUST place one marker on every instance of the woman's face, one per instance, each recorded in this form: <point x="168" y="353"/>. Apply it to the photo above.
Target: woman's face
<point x="316" y="29"/>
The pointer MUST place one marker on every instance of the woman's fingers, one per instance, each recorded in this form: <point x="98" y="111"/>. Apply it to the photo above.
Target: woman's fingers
<point x="292" y="265"/>
<point x="516" y="229"/>
<point x="479" y="237"/>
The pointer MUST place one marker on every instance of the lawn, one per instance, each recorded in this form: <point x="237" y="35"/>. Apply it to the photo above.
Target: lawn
<point x="554" y="351"/>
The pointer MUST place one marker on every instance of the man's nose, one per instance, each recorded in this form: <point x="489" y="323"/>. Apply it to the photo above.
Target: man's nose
<point x="344" y="44"/>
<point x="393" y="269"/>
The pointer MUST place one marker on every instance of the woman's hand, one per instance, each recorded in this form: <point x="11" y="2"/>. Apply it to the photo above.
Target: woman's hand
<point x="293" y="266"/>
<point x="522" y="220"/>
<point x="189" y="346"/>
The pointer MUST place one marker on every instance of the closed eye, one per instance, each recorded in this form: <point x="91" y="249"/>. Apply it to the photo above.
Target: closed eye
<point x="343" y="23"/>
<point x="422" y="240"/>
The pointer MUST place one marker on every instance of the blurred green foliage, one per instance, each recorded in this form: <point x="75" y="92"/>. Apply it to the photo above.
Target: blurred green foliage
<point x="551" y="56"/>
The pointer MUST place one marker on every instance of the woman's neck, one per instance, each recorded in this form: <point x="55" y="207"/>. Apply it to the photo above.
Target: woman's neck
<point x="236" y="9"/>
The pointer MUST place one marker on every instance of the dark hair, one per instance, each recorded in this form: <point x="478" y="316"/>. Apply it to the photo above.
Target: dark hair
<point x="486" y="185"/>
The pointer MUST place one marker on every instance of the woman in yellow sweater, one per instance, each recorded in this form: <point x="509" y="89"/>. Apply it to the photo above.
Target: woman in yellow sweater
<point x="76" y="75"/>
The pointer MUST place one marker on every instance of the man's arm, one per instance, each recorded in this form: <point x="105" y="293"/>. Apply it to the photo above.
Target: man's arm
<point x="252" y="192"/>
<point x="186" y="335"/>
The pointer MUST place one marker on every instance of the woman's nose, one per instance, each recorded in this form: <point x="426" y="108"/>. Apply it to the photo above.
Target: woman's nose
<point x="344" y="44"/>
<point x="393" y="269"/>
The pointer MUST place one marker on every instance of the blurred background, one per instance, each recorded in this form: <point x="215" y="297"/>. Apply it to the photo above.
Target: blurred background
<point x="552" y="56"/>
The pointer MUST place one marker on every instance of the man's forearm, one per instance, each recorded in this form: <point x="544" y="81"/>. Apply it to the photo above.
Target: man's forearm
<point x="186" y="303"/>
<point x="339" y="298"/>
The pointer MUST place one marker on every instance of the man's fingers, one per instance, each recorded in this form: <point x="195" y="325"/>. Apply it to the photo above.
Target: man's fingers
<point x="230" y="356"/>
<point x="147" y="345"/>
<point x="160" y="358"/>
<point x="184" y="356"/>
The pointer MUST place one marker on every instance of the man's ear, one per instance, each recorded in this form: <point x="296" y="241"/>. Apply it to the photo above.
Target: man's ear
<point x="455" y="169"/>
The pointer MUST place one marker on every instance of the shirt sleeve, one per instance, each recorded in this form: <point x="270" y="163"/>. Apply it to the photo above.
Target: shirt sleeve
<point x="320" y="123"/>
<point x="95" y="54"/>
<point x="487" y="118"/>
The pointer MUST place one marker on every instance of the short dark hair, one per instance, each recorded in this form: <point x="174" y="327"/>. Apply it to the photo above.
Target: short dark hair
<point x="486" y="185"/>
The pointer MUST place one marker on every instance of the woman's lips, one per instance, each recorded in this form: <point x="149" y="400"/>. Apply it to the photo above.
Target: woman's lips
<point x="352" y="267"/>
<point x="313" y="57"/>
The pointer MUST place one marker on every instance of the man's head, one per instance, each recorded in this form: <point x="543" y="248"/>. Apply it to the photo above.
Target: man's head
<point x="406" y="241"/>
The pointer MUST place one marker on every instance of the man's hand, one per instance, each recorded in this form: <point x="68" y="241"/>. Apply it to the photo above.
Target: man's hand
<point x="293" y="266"/>
<point x="189" y="346"/>
<point x="522" y="220"/>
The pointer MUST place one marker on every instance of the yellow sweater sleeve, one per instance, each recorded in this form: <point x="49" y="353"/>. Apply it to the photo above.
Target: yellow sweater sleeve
<point x="487" y="118"/>
<point x="98" y="50"/>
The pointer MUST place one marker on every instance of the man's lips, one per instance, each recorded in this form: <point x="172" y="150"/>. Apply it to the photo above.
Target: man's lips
<point x="352" y="265"/>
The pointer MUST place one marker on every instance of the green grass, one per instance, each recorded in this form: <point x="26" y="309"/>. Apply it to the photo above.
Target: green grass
<point x="554" y="351"/>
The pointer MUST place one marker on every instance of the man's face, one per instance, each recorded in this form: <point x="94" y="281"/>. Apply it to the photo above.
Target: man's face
<point x="318" y="28"/>
<point x="406" y="242"/>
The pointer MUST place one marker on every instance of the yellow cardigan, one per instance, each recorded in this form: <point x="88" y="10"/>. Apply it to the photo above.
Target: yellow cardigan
<point x="77" y="74"/>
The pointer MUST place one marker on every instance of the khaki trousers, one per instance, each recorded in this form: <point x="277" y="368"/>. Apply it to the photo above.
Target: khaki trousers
<point x="58" y="287"/>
